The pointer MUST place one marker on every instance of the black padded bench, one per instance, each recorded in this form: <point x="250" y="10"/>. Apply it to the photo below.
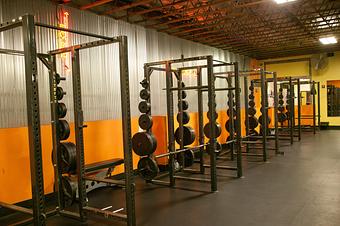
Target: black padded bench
<point x="111" y="163"/>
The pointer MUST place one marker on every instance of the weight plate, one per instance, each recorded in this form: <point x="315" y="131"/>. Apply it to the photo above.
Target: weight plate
<point x="280" y="90"/>
<point x="208" y="115"/>
<point x="144" y="143"/>
<point x="287" y="107"/>
<point x="253" y="122"/>
<point x="147" y="168"/>
<point x="188" y="135"/>
<point x="280" y="96"/>
<point x="234" y="112"/>
<point x="268" y="120"/>
<point x="60" y="93"/>
<point x="57" y="78"/>
<point x="61" y="110"/>
<point x="251" y="96"/>
<point x="218" y="148"/>
<point x="252" y="104"/>
<point x="69" y="190"/>
<point x="281" y="102"/>
<point x="214" y="105"/>
<point x="145" y="121"/>
<point x="227" y="125"/>
<point x="145" y="83"/>
<point x="189" y="158"/>
<point x="185" y="115"/>
<point x="144" y="107"/>
<point x="218" y="130"/>
<point x="233" y="102"/>
<point x="185" y="105"/>
<point x="184" y="94"/>
<point x="144" y="94"/>
<point x="68" y="157"/>
<point x="63" y="129"/>
<point x="251" y="111"/>
<point x="251" y="88"/>
<point x="282" y="117"/>
<point x="281" y="108"/>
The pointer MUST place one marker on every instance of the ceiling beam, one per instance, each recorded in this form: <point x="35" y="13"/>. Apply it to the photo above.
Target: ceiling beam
<point x="127" y="6"/>
<point x="94" y="4"/>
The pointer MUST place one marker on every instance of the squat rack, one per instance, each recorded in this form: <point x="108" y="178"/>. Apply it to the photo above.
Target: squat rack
<point x="38" y="211"/>
<point x="210" y="64"/>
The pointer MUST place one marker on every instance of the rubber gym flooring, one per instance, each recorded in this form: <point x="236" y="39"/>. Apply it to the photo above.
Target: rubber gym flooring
<point x="300" y="188"/>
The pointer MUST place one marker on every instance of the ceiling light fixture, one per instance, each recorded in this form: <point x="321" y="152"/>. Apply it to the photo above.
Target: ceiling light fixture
<point x="283" y="1"/>
<point x="328" y="40"/>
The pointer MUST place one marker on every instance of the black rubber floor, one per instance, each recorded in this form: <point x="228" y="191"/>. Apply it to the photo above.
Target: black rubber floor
<point x="300" y="188"/>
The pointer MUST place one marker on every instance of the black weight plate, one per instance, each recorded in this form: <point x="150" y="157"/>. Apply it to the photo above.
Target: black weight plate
<point x="208" y="115"/>
<point x="282" y="117"/>
<point x="287" y="107"/>
<point x="280" y="96"/>
<point x="252" y="104"/>
<point x="234" y="103"/>
<point x="234" y="112"/>
<point x="185" y="105"/>
<point x="147" y="168"/>
<point x="63" y="129"/>
<point x="144" y="94"/>
<point x="185" y="115"/>
<point x="144" y="107"/>
<point x="145" y="121"/>
<point x="69" y="190"/>
<point x="252" y="111"/>
<point x="184" y="94"/>
<point x="268" y="120"/>
<point x="218" y="148"/>
<point x="61" y="110"/>
<point x="251" y="96"/>
<point x="145" y="83"/>
<point x="60" y="93"/>
<point x="227" y="125"/>
<point x="214" y="105"/>
<point x="281" y="108"/>
<point x="253" y="133"/>
<point x="68" y="157"/>
<point x="281" y="102"/>
<point x="218" y="130"/>
<point x="144" y="143"/>
<point x="189" y="158"/>
<point x="280" y="90"/>
<point x="251" y="88"/>
<point x="57" y="78"/>
<point x="188" y="135"/>
<point x="253" y="122"/>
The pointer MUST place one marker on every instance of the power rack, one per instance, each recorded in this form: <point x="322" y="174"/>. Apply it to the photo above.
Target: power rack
<point x="38" y="212"/>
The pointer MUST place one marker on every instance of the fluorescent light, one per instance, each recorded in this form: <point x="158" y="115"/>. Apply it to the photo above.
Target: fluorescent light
<point x="283" y="1"/>
<point x="328" y="40"/>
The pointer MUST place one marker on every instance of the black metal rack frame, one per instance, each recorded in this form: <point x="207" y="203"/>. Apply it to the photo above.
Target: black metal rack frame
<point x="208" y="63"/>
<point x="38" y="212"/>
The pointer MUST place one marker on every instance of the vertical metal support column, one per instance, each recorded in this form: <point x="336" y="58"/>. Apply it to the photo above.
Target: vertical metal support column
<point x="276" y="122"/>
<point x="170" y="114"/>
<point x="55" y="135"/>
<point x="246" y="100"/>
<point x="33" y="120"/>
<point x="200" y="118"/>
<point x="238" y="120"/>
<point x="319" y="114"/>
<point x="314" y="109"/>
<point x="180" y="111"/>
<point x="78" y="127"/>
<point x="126" y="127"/>
<point x="212" y="122"/>
<point x="264" y="114"/>
<point x="292" y="109"/>
<point x="231" y="117"/>
<point x="299" y="107"/>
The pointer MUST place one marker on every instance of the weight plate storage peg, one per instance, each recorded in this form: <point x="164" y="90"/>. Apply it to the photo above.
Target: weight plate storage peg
<point x="58" y="78"/>
<point x="63" y="129"/>
<point x="145" y="121"/>
<point x="144" y="107"/>
<point x="218" y="130"/>
<point x="144" y="143"/>
<point x="60" y="93"/>
<point x="189" y="158"/>
<point x="188" y="135"/>
<point x="61" y="110"/>
<point x="68" y="157"/>
<point x="185" y="117"/>
<point x="144" y="94"/>
<point x="147" y="168"/>
<point x="69" y="191"/>
<point x="185" y="105"/>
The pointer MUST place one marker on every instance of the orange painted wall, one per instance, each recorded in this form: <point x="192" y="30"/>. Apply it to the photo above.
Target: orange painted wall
<point x="102" y="140"/>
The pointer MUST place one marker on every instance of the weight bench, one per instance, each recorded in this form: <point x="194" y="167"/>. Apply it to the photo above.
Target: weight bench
<point x="95" y="176"/>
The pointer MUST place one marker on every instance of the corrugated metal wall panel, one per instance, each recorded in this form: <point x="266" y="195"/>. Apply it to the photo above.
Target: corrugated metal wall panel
<point x="99" y="66"/>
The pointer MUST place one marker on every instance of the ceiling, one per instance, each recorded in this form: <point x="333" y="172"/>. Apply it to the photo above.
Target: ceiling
<point x="257" y="28"/>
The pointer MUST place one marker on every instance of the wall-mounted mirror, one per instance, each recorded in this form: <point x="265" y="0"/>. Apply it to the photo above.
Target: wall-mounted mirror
<point x="333" y="98"/>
